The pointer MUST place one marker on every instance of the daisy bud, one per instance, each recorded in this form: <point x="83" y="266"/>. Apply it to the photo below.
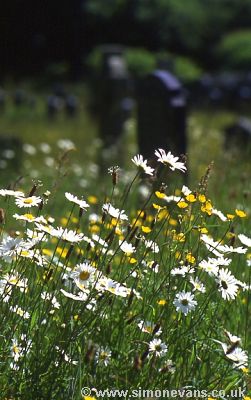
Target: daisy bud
<point x="113" y="171"/>
<point x="108" y="268"/>
<point x="137" y="363"/>
<point x="69" y="252"/>
<point x="2" y="216"/>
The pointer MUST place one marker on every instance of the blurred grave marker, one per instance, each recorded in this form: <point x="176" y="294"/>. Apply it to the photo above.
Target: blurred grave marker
<point x="161" y="114"/>
<point x="114" y="104"/>
<point x="71" y="105"/>
<point x="10" y="152"/>
<point x="54" y="105"/>
<point x="238" y="134"/>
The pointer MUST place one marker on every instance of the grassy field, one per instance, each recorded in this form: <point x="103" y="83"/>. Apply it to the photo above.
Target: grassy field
<point x="132" y="284"/>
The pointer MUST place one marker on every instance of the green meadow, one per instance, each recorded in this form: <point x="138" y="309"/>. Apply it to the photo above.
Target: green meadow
<point x="116" y="276"/>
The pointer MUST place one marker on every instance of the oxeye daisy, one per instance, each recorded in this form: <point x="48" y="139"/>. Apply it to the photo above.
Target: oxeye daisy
<point x="80" y="202"/>
<point x="67" y="235"/>
<point x="114" y="212"/>
<point x="237" y="355"/>
<point x="127" y="248"/>
<point x="245" y="240"/>
<point x="28" y="201"/>
<point x="184" y="302"/>
<point x="157" y="347"/>
<point x="84" y="274"/>
<point x="8" y="192"/>
<point x="228" y="284"/>
<point x="141" y="163"/>
<point x="149" y="327"/>
<point x="170" y="160"/>
<point x="103" y="356"/>
<point x="197" y="285"/>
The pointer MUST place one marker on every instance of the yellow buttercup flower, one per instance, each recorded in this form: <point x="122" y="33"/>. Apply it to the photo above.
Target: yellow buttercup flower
<point x="191" y="198"/>
<point x="202" y="198"/>
<point x="180" y="237"/>
<point x="207" y="207"/>
<point x="92" y="199"/>
<point x="173" y="222"/>
<point x="240" y="213"/>
<point x="230" y="216"/>
<point x="163" y="214"/>
<point x="157" y="206"/>
<point x="161" y="302"/>
<point x="64" y="221"/>
<point x="160" y="195"/>
<point x="190" y="258"/>
<point x="182" y="204"/>
<point x="146" y="229"/>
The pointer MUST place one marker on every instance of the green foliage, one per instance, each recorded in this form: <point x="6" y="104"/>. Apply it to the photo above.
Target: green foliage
<point x="235" y="50"/>
<point x="140" y="61"/>
<point x="186" y="69"/>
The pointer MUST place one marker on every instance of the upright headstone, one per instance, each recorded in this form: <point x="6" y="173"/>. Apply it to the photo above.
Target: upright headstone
<point x="53" y="106"/>
<point x="238" y="134"/>
<point x="161" y="119"/>
<point x="10" y="152"/>
<point x="19" y="97"/>
<point x="113" y="101"/>
<point x="71" y="105"/>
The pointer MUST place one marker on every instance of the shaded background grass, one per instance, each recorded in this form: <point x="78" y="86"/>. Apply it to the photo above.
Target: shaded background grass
<point x="229" y="183"/>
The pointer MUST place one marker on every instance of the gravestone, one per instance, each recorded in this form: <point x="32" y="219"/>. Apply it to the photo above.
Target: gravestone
<point x="2" y="99"/>
<point x="71" y="105"/>
<point x="238" y="134"/>
<point x="54" y="105"/>
<point x="10" y="152"/>
<point x="19" y="97"/>
<point x="161" y="119"/>
<point x="113" y="101"/>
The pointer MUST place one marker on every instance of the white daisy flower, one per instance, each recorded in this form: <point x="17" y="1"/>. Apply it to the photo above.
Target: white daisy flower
<point x="238" y="356"/>
<point x="28" y="201"/>
<point x="99" y="240"/>
<point x="176" y="199"/>
<point x="126" y="247"/>
<point x="150" y="244"/>
<point x="114" y="212"/>
<point x="66" y="144"/>
<point x="11" y="247"/>
<point x="140" y="162"/>
<point x="170" y="160"/>
<point x="8" y="192"/>
<point x="30" y="218"/>
<point x="157" y="347"/>
<point x="29" y="149"/>
<point x="245" y="240"/>
<point x="185" y="190"/>
<point x="219" y="214"/>
<point x="45" y="148"/>
<point x="19" y="311"/>
<point x="228" y="284"/>
<point x="182" y="270"/>
<point x="81" y="296"/>
<point x="231" y="249"/>
<point x="149" y="327"/>
<point x="103" y="356"/>
<point x="197" y="285"/>
<point x="184" y="302"/>
<point x="81" y="203"/>
<point x="17" y="350"/>
<point x="67" y="235"/>
<point x="109" y="285"/>
<point x="84" y="275"/>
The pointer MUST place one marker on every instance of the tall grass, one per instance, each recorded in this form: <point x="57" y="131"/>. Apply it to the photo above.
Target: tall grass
<point x="136" y="285"/>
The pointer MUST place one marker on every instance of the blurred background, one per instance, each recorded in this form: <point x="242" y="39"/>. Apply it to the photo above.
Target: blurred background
<point x="63" y="63"/>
